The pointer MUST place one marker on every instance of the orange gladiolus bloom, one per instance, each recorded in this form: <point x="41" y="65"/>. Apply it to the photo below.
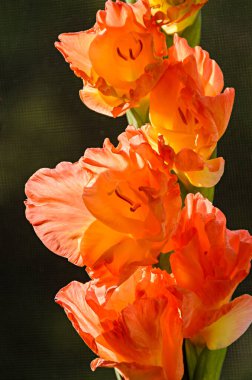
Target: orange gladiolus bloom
<point x="176" y="15"/>
<point x="112" y="211"/>
<point x="209" y="261"/>
<point x="137" y="329"/>
<point x="120" y="59"/>
<point x="189" y="110"/>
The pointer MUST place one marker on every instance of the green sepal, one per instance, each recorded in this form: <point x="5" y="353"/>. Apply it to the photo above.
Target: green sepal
<point x="207" y="192"/>
<point x="204" y="364"/>
<point x="192" y="33"/>
<point x="139" y="116"/>
<point x="130" y="1"/>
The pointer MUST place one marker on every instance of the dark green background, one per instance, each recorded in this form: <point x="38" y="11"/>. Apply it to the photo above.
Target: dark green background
<point x="43" y="122"/>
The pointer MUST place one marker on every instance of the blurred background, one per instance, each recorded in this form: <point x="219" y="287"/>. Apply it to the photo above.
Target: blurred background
<point x="43" y="122"/>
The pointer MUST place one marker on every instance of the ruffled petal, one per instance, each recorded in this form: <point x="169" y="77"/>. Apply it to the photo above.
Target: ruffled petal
<point x="56" y="210"/>
<point x="208" y="70"/>
<point x="73" y="300"/>
<point x="75" y="47"/>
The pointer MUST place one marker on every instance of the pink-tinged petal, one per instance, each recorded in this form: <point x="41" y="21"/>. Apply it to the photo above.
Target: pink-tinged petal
<point x="75" y="49"/>
<point x="56" y="210"/>
<point x="73" y="300"/>
<point x="208" y="70"/>
<point x="105" y="104"/>
<point x="116" y="14"/>
<point x="209" y="176"/>
<point x="231" y="321"/>
<point x="82" y="304"/>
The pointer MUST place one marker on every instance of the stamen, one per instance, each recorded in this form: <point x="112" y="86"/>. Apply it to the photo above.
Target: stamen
<point x="182" y="116"/>
<point x="134" y="206"/>
<point x="121" y="55"/>
<point x="131" y="54"/>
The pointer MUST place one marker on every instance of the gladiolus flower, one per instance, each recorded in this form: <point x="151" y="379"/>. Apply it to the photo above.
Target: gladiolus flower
<point x="120" y="59"/>
<point x="112" y="211"/>
<point x="137" y="329"/>
<point x="209" y="262"/>
<point x="189" y="110"/>
<point x="176" y="15"/>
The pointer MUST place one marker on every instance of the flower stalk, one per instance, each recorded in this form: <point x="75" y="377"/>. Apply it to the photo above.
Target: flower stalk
<point x="204" y="364"/>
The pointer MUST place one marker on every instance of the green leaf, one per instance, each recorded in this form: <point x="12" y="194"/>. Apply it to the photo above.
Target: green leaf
<point x="130" y="1"/>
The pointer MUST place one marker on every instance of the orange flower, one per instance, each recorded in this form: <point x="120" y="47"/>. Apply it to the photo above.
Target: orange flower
<point x="189" y="110"/>
<point x="119" y="59"/>
<point x="112" y="211"/>
<point x="137" y="329"/>
<point x="176" y="15"/>
<point x="209" y="261"/>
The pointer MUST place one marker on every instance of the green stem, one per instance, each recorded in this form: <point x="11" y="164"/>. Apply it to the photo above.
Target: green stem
<point x="192" y="355"/>
<point x="204" y="364"/>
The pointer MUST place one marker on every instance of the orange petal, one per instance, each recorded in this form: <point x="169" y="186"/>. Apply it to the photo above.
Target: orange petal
<point x="111" y="256"/>
<point x="130" y="193"/>
<point x="188" y="160"/>
<point x="209" y="176"/>
<point x="73" y="299"/>
<point x="75" y="49"/>
<point x="220" y="108"/>
<point x="231" y="321"/>
<point x="208" y="70"/>
<point x="56" y="210"/>
<point x="143" y="330"/>
<point x="104" y="104"/>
